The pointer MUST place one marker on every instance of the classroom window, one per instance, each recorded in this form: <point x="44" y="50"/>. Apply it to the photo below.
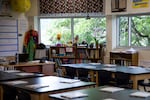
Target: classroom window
<point x="70" y="27"/>
<point x="134" y="31"/>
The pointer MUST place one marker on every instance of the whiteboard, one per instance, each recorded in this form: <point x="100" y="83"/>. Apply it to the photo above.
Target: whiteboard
<point x="8" y="37"/>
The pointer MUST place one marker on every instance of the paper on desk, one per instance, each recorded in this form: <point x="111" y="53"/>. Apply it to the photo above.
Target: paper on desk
<point x="109" y="69"/>
<point x="111" y="89"/>
<point x="24" y="74"/>
<point x="140" y="94"/>
<point x="37" y="86"/>
<point x="16" y="82"/>
<point x="133" y="67"/>
<point x="74" y="95"/>
<point x="12" y="71"/>
<point x="69" y="81"/>
<point x="109" y="99"/>
<point x="95" y="63"/>
<point x="110" y="65"/>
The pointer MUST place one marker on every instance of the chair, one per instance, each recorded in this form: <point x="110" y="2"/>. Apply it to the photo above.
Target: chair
<point x="9" y="93"/>
<point x="104" y="77"/>
<point x="83" y="74"/>
<point x="123" y="80"/>
<point x="144" y="83"/>
<point x="68" y="73"/>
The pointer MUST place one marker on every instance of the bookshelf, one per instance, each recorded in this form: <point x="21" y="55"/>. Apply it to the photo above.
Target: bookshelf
<point x="76" y="54"/>
<point x="124" y="58"/>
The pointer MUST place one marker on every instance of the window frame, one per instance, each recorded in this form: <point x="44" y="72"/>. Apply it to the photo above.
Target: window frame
<point x="72" y="22"/>
<point x="129" y="31"/>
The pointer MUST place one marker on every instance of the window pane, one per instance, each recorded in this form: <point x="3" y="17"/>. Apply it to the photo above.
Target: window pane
<point x="51" y="27"/>
<point x="140" y="31"/>
<point x="123" y="31"/>
<point x="85" y="29"/>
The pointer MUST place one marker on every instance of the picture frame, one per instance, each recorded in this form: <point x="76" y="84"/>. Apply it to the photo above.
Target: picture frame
<point x="118" y="5"/>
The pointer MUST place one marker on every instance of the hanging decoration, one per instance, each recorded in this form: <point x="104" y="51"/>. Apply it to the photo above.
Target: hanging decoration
<point x="20" y="5"/>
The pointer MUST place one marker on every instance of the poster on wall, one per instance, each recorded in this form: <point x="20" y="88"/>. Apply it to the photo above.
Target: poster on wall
<point x="140" y="3"/>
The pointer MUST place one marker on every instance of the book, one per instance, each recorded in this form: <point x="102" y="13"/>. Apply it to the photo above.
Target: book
<point x="111" y="89"/>
<point x="140" y="94"/>
<point x="16" y="82"/>
<point x="74" y="95"/>
<point x="69" y="81"/>
<point x="37" y="86"/>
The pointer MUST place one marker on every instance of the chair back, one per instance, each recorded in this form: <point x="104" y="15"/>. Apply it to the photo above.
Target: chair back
<point x="104" y="77"/>
<point x="122" y="78"/>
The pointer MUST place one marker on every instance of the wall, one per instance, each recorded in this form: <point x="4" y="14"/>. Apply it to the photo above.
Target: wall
<point x="144" y="54"/>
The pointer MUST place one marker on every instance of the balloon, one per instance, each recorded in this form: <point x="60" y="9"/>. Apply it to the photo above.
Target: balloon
<point x="20" y="5"/>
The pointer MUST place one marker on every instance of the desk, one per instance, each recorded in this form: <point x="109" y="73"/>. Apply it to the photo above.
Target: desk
<point x="4" y="76"/>
<point x="55" y="86"/>
<point x="46" y="68"/>
<point x="96" y="94"/>
<point x="136" y="73"/>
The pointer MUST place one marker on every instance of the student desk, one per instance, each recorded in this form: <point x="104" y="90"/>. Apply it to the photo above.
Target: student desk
<point x="97" y="94"/>
<point x="5" y="76"/>
<point x="46" y="68"/>
<point x="136" y="73"/>
<point x="55" y="85"/>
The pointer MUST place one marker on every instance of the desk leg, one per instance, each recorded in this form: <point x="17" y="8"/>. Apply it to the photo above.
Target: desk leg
<point x="97" y="80"/>
<point x="136" y="78"/>
<point x="92" y="75"/>
<point x="1" y="92"/>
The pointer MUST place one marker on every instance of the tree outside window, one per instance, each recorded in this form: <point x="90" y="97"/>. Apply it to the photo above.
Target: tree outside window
<point x="134" y="31"/>
<point x="82" y="27"/>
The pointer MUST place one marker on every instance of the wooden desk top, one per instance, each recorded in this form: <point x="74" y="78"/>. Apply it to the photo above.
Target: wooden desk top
<point x="97" y="94"/>
<point x="54" y="84"/>
<point x="31" y="63"/>
<point x="5" y="76"/>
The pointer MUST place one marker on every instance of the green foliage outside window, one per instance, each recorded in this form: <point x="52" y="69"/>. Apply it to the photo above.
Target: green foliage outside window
<point x="84" y="28"/>
<point x="134" y="31"/>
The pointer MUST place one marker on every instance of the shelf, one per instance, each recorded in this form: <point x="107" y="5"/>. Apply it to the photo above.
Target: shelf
<point x="124" y="58"/>
<point x="77" y="54"/>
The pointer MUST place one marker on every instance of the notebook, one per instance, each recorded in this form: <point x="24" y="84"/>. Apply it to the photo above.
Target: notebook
<point x="69" y="81"/>
<point x="16" y="82"/>
<point x="37" y="86"/>
<point x="74" y="95"/>
<point x="112" y="89"/>
<point x="140" y="94"/>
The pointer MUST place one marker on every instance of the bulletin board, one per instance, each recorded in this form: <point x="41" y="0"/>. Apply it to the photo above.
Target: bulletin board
<point x="8" y="37"/>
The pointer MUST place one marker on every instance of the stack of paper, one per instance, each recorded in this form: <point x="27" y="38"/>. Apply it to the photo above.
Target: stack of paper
<point x="74" y="95"/>
<point x="95" y="63"/>
<point x="109" y="99"/>
<point x="12" y="71"/>
<point x="110" y="65"/>
<point x="24" y="74"/>
<point x="140" y="94"/>
<point x="109" y="69"/>
<point x="69" y="81"/>
<point x="37" y="86"/>
<point x="16" y="82"/>
<point x="111" y="89"/>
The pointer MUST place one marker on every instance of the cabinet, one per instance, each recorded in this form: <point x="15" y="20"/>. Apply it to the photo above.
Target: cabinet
<point x="124" y="58"/>
<point x="76" y="54"/>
